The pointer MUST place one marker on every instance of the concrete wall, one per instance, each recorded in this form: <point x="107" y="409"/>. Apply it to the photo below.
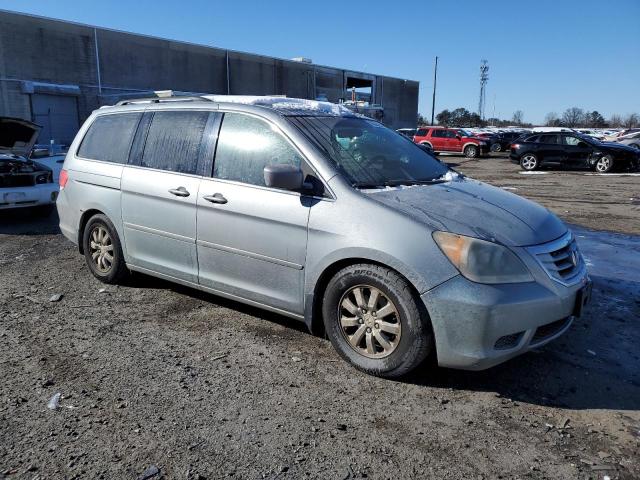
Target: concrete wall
<point x="100" y="66"/>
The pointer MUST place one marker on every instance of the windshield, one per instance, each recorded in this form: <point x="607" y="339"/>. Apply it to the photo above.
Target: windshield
<point x="465" y="133"/>
<point x="588" y="139"/>
<point x="369" y="154"/>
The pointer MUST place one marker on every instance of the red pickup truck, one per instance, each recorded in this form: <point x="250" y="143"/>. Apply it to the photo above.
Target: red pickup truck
<point x="442" y="139"/>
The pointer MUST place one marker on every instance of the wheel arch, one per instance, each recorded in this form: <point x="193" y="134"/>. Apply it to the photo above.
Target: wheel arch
<point x="84" y="218"/>
<point x="313" y="300"/>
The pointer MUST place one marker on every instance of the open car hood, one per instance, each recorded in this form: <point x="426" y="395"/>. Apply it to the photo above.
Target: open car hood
<point x="17" y="136"/>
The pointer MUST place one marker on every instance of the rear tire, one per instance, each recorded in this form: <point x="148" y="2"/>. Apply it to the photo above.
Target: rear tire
<point x="471" y="151"/>
<point x="103" y="251"/>
<point x="375" y="321"/>
<point x="604" y="164"/>
<point x="529" y="162"/>
<point x="496" y="147"/>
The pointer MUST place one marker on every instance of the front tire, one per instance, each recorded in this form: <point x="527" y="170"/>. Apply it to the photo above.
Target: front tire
<point x="375" y="321"/>
<point x="529" y="162"/>
<point x="604" y="164"/>
<point x="103" y="251"/>
<point x="496" y="147"/>
<point x="471" y="151"/>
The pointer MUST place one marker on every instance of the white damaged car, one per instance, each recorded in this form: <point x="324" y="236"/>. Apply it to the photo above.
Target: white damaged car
<point x="25" y="182"/>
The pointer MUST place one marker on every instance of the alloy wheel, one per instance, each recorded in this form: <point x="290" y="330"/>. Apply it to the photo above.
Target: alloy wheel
<point x="603" y="165"/>
<point x="529" y="162"/>
<point x="471" y="152"/>
<point x="101" y="248"/>
<point x="369" y="321"/>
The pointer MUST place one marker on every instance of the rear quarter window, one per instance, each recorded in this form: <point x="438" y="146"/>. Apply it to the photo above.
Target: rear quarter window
<point x="109" y="137"/>
<point x="422" y="132"/>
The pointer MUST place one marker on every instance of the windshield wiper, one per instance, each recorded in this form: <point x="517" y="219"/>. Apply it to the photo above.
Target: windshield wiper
<point x="431" y="181"/>
<point x="397" y="183"/>
<point x="368" y="185"/>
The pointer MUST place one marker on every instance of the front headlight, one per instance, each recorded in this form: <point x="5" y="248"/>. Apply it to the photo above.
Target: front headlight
<point x="481" y="261"/>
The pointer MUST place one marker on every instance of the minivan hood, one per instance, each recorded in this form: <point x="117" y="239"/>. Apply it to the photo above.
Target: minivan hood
<point x="17" y="136"/>
<point x="469" y="207"/>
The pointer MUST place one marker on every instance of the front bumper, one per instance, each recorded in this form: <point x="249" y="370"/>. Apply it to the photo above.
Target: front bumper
<point x="477" y="326"/>
<point x="21" y="197"/>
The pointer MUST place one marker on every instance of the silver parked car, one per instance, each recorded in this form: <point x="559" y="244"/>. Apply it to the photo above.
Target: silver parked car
<point x="309" y="210"/>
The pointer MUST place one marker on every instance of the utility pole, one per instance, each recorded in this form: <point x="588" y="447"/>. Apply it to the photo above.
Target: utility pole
<point x="484" y="76"/>
<point x="433" y="101"/>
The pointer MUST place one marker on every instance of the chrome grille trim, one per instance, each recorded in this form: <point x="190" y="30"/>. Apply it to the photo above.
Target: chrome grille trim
<point x="557" y="259"/>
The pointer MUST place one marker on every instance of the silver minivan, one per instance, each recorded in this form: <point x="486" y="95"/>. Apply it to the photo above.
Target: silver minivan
<point x="309" y="210"/>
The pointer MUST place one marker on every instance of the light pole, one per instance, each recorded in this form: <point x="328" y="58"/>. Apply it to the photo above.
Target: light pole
<point x="433" y="101"/>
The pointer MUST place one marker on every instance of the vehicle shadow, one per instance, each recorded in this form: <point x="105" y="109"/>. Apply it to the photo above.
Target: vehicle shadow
<point x="26" y="221"/>
<point x="140" y="280"/>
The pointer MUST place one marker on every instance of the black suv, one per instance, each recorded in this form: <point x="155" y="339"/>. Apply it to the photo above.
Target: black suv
<point x="503" y="141"/>
<point x="571" y="149"/>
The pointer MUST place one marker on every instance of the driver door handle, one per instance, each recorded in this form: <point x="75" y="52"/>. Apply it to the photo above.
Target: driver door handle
<point x="215" y="198"/>
<point x="179" y="192"/>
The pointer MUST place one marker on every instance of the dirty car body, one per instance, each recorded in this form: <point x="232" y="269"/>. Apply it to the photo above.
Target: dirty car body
<point x="23" y="182"/>
<point x="492" y="274"/>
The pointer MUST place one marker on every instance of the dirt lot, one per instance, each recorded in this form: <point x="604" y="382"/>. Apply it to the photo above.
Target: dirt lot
<point x="153" y="374"/>
<point x="601" y="202"/>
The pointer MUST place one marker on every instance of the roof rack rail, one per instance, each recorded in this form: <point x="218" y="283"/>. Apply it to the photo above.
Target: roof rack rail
<point x="176" y="98"/>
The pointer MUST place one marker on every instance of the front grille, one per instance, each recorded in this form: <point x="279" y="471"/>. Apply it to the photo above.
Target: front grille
<point x="24" y="180"/>
<point x="549" y="330"/>
<point x="561" y="259"/>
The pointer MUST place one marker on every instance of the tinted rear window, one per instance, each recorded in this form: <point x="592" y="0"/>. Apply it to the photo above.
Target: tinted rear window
<point x="422" y="132"/>
<point x="109" y="138"/>
<point x="549" y="139"/>
<point x="174" y="141"/>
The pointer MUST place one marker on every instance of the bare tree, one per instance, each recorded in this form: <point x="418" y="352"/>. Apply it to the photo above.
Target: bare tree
<point x="552" y="120"/>
<point x="616" y="120"/>
<point x="573" y="117"/>
<point x="518" y="117"/>
<point x="632" y="120"/>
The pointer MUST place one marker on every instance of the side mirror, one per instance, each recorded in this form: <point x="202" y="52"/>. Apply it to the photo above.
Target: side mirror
<point x="582" y="145"/>
<point x="458" y="136"/>
<point x="283" y="176"/>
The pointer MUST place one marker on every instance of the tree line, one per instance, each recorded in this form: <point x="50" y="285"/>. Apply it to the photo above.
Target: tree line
<point x="572" y="117"/>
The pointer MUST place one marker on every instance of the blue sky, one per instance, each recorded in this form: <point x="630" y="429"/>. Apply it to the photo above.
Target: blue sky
<point x="543" y="55"/>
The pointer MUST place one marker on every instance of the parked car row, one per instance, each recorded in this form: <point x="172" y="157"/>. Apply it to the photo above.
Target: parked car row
<point x="537" y="147"/>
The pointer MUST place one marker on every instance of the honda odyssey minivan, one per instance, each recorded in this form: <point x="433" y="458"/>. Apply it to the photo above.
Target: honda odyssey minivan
<point x="328" y="217"/>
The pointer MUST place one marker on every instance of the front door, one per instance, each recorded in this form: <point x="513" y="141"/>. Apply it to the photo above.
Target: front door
<point x="251" y="239"/>
<point x="439" y="139"/>
<point x="576" y="151"/>
<point x="160" y="190"/>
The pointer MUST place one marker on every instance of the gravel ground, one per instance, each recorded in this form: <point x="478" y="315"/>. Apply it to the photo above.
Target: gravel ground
<point x="154" y="376"/>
